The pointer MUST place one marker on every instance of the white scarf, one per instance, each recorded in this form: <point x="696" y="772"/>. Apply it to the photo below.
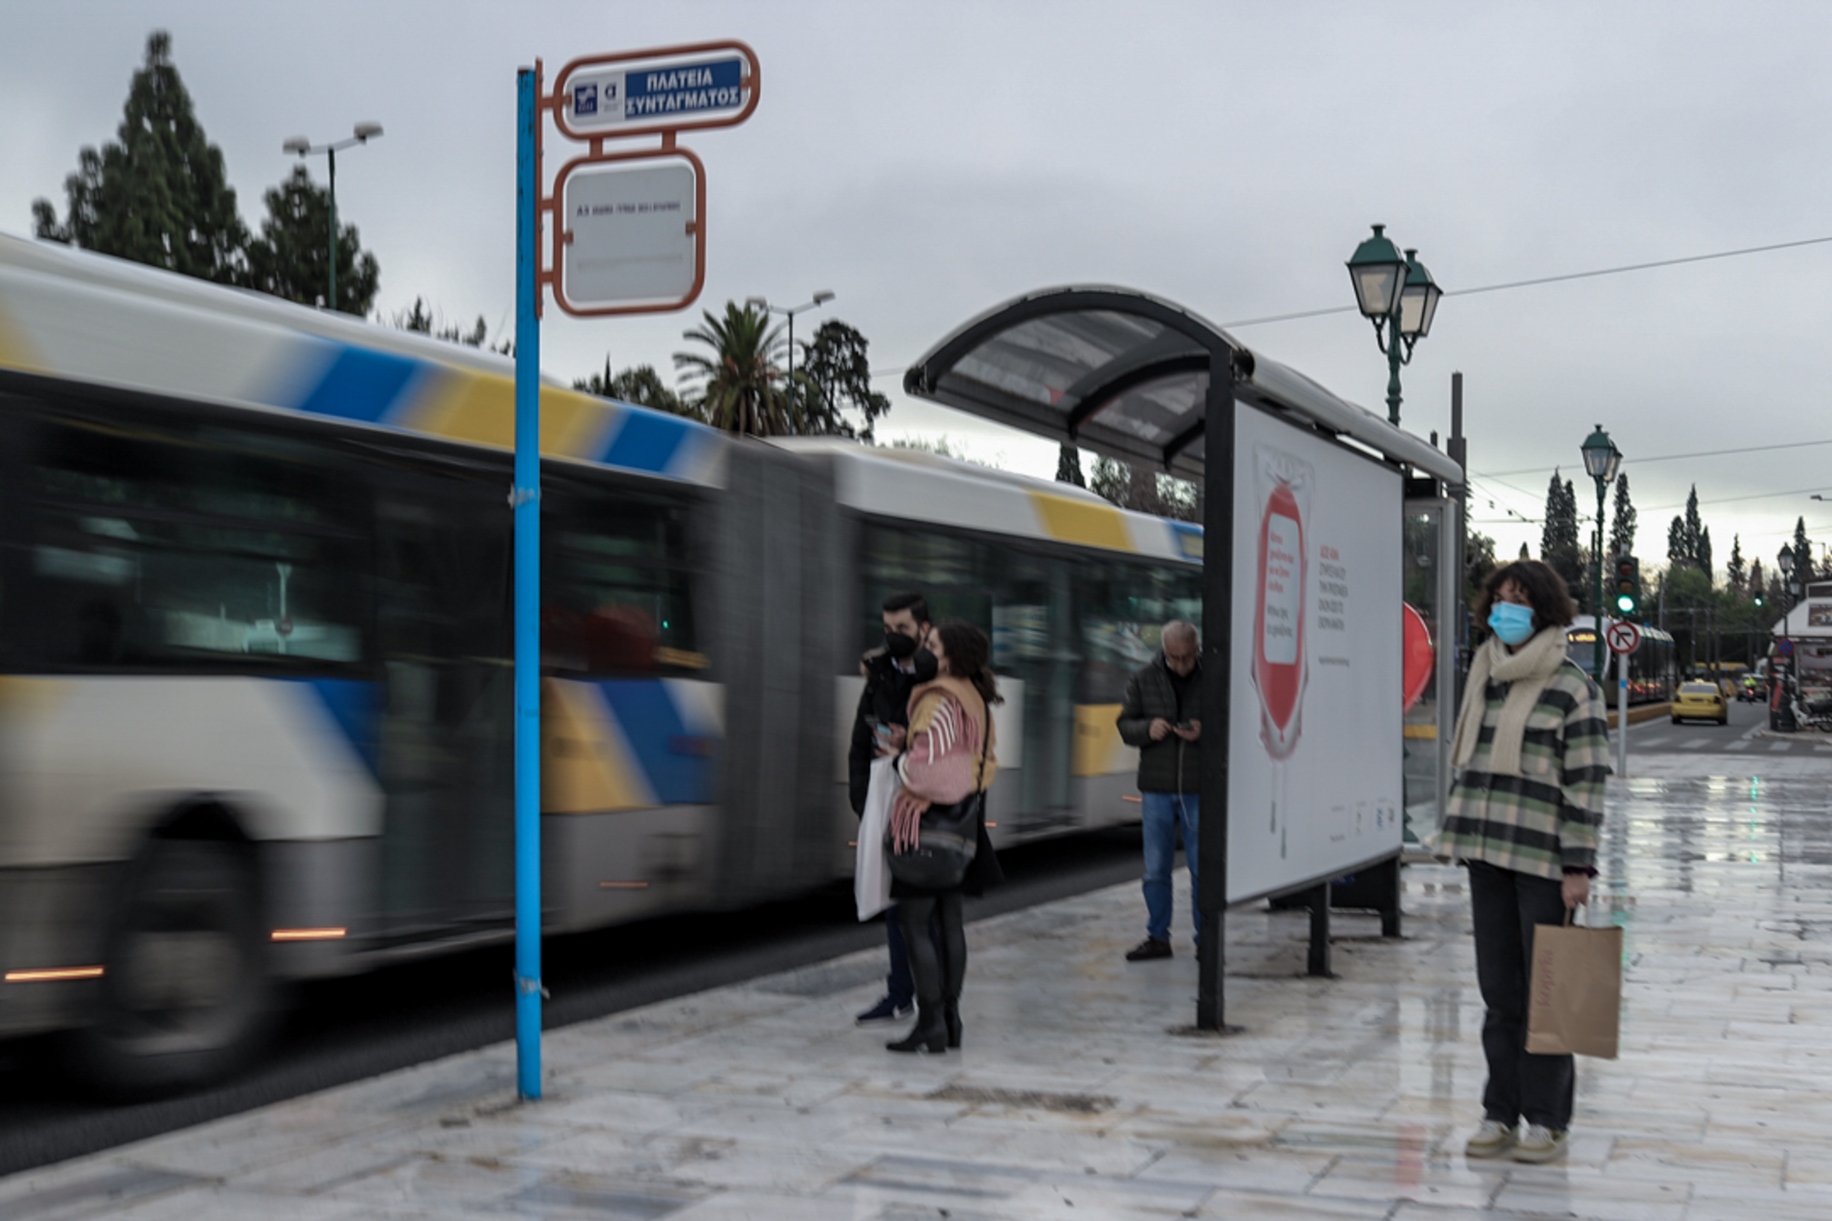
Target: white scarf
<point x="1528" y="670"/>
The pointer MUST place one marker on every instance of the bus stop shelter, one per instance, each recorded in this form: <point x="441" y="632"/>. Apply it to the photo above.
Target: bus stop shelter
<point x="1139" y="378"/>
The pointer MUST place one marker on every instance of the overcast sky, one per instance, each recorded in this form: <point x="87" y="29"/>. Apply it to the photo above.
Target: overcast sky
<point x="926" y="161"/>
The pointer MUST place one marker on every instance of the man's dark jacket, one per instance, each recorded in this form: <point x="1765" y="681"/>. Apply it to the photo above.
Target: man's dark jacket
<point x="1172" y="765"/>
<point x="886" y="698"/>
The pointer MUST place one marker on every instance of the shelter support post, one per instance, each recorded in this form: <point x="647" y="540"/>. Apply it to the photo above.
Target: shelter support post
<point x="1217" y="683"/>
<point x="1319" y="931"/>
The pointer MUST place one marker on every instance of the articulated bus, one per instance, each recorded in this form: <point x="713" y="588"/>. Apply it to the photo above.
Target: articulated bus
<point x="255" y="687"/>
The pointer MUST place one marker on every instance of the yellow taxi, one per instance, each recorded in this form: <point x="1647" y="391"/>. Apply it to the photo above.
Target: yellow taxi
<point x="1700" y="701"/>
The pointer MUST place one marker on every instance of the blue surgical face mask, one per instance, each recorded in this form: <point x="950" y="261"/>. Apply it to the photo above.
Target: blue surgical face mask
<point x="1511" y="622"/>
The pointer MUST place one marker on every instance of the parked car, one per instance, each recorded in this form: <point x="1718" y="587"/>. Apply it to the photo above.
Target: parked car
<point x="1700" y="701"/>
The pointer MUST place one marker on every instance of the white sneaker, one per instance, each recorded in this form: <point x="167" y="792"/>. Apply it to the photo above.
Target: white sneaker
<point x="1492" y="1139"/>
<point x="1540" y="1144"/>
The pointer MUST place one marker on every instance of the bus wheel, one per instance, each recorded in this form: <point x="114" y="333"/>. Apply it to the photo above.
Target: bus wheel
<point x="186" y="997"/>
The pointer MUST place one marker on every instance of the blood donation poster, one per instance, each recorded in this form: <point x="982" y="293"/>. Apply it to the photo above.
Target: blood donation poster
<point x="1314" y="787"/>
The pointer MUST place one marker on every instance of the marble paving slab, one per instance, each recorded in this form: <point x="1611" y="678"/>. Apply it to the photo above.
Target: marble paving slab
<point x="1082" y="1093"/>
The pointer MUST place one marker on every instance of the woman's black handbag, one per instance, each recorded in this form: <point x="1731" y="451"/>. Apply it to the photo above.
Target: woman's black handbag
<point x="947" y="837"/>
<point x="946" y="840"/>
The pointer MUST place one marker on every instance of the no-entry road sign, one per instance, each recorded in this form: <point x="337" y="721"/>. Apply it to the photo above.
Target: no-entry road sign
<point x="1623" y="637"/>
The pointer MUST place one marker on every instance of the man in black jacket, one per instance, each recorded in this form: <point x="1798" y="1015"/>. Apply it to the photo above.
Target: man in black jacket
<point x="1162" y="716"/>
<point x="877" y="730"/>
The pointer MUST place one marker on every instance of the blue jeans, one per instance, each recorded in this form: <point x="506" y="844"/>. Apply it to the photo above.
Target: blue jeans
<point x="900" y="984"/>
<point x="1164" y="814"/>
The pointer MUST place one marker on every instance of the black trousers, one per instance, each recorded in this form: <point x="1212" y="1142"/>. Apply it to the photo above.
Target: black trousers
<point x="1506" y="905"/>
<point x="938" y="962"/>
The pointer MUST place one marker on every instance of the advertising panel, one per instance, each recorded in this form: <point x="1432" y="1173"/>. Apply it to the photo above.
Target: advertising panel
<point x="1314" y="776"/>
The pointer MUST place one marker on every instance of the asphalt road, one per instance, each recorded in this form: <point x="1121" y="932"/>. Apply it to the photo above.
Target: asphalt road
<point x="347" y="1030"/>
<point x="1744" y="735"/>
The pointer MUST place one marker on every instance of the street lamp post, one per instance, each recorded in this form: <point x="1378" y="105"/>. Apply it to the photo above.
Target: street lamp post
<point x="1396" y="294"/>
<point x="1601" y="459"/>
<point x="789" y="312"/>
<point x="303" y="147"/>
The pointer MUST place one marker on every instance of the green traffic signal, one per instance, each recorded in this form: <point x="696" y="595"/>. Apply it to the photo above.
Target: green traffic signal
<point x="1628" y="586"/>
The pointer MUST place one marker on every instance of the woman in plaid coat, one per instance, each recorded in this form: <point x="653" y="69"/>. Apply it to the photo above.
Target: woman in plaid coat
<point x="1532" y="753"/>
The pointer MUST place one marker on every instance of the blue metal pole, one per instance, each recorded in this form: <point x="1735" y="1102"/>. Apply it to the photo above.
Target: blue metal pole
<point x="527" y="503"/>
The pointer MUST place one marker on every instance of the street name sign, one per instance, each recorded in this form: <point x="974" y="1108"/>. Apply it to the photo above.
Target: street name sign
<point x="641" y="92"/>
<point x="1623" y="637"/>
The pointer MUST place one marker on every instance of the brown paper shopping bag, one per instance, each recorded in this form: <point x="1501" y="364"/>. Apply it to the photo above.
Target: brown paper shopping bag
<point x="1574" y="1004"/>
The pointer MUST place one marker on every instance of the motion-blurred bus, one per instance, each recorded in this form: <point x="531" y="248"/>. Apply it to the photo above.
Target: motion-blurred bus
<point x="255" y="682"/>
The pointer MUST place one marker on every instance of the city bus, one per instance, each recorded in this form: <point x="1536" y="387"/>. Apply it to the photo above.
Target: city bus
<point x="255" y="630"/>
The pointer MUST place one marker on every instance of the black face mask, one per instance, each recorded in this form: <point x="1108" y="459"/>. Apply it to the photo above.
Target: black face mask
<point x="899" y="646"/>
<point x="926" y="667"/>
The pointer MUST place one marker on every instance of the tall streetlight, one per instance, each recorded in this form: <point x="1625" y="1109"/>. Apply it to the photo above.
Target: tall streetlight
<point x="1601" y="459"/>
<point x="1396" y="294"/>
<point x="303" y="147"/>
<point x="789" y="312"/>
<point x="1787" y="559"/>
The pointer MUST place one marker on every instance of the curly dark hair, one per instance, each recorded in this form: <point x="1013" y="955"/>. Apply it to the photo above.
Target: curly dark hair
<point x="969" y="656"/>
<point x="1546" y="593"/>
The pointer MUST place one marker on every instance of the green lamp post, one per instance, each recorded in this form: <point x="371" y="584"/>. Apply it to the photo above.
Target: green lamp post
<point x="1396" y="294"/>
<point x="303" y="148"/>
<point x="1601" y="460"/>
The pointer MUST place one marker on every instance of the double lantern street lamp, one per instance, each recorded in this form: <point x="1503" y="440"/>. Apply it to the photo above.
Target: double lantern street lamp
<point x="1601" y="461"/>
<point x="303" y="147"/>
<point x="1788" y="559"/>
<point x="1396" y="294"/>
<point x="789" y="312"/>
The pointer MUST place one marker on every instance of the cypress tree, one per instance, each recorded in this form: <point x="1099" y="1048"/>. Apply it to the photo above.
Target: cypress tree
<point x="158" y="194"/>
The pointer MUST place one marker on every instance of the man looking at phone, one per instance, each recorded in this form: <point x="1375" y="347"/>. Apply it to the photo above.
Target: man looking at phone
<point x="878" y="730"/>
<point x="1162" y="716"/>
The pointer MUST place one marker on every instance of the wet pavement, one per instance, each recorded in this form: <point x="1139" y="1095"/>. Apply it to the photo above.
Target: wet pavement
<point x="1080" y="1092"/>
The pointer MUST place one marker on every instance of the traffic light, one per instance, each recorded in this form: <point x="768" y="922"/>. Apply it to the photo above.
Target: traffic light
<point x="1628" y="587"/>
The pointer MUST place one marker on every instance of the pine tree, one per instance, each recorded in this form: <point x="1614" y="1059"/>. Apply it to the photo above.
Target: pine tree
<point x="1735" y="575"/>
<point x="292" y="257"/>
<point x="1068" y="465"/>
<point x="1755" y="585"/>
<point x="835" y="378"/>
<point x="160" y="194"/>
<point x="1703" y="558"/>
<point x="1692" y="529"/>
<point x="1677" y="553"/>
<point x="1622" y="521"/>
<point x="1803" y="555"/>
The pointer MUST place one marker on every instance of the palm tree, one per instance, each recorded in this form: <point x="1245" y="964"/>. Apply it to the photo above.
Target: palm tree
<point x="739" y="382"/>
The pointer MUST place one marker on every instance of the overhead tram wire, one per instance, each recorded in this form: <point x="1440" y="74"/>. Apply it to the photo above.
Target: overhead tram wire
<point x="1558" y="279"/>
<point x="1703" y="453"/>
<point x="897" y="371"/>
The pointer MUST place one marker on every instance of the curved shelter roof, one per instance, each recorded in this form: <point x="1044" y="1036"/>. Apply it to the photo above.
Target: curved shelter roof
<point x="1127" y="374"/>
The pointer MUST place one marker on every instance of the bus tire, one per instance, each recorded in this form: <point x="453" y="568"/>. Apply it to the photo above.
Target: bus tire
<point x="186" y="997"/>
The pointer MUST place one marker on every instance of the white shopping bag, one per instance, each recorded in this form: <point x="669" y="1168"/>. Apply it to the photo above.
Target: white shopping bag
<point x="871" y="878"/>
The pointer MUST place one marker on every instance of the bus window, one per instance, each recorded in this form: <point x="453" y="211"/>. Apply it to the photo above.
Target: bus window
<point x="1124" y="608"/>
<point x="212" y="548"/>
<point x="617" y="574"/>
